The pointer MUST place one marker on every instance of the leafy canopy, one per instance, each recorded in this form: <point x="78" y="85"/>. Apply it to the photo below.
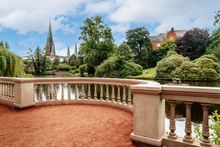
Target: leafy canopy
<point x="97" y="42"/>
<point x="193" y="44"/>
<point x="138" y="40"/>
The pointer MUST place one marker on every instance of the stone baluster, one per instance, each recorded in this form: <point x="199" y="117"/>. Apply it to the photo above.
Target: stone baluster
<point x="101" y="92"/>
<point x="0" y="90"/>
<point x="62" y="91"/>
<point x="95" y="92"/>
<point x="76" y="91"/>
<point x="124" y="95"/>
<point x="113" y="93"/>
<point x="172" y="127"/>
<point x="48" y="92"/>
<point x="205" y="126"/>
<point x="107" y="93"/>
<point x="41" y="93"/>
<point x="55" y="91"/>
<point x="129" y="102"/>
<point x="89" y="91"/>
<point x="118" y="94"/>
<point x="188" y="129"/>
<point x="83" y="91"/>
<point x="69" y="91"/>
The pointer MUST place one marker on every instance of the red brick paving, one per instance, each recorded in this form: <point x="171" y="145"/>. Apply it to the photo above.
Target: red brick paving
<point x="66" y="126"/>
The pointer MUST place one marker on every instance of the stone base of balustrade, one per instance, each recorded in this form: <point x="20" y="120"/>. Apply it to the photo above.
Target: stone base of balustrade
<point x="6" y="103"/>
<point x="140" y="141"/>
<point x="86" y="102"/>
<point x="179" y="142"/>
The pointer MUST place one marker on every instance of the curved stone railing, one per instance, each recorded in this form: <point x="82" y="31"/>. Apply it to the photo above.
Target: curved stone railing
<point x="24" y="92"/>
<point x="146" y="99"/>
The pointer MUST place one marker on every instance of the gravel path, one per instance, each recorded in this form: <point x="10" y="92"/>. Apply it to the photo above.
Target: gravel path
<point x="66" y="126"/>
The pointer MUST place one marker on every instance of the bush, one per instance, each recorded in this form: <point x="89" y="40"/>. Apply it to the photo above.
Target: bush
<point x="63" y="67"/>
<point x="214" y="127"/>
<point x="205" y="68"/>
<point x="116" y="67"/>
<point x="167" y="65"/>
<point x="82" y="70"/>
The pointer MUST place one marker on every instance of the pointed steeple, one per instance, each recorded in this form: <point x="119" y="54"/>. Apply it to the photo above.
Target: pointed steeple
<point x="50" y="47"/>
<point x="68" y="52"/>
<point x="76" y="52"/>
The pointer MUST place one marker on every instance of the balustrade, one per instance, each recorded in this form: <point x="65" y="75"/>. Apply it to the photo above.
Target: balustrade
<point x="146" y="99"/>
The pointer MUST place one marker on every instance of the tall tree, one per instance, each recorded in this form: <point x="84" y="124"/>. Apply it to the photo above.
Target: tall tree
<point x="97" y="42"/>
<point x="139" y="42"/>
<point x="193" y="44"/>
<point x="217" y="18"/>
<point x="214" y="44"/>
<point x="39" y="60"/>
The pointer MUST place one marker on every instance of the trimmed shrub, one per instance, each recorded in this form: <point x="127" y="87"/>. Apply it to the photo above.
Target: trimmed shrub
<point x="63" y="67"/>
<point x="167" y="65"/>
<point x="116" y="67"/>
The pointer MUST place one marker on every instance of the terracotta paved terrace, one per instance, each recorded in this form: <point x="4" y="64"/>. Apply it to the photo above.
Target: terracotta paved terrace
<point x="65" y="125"/>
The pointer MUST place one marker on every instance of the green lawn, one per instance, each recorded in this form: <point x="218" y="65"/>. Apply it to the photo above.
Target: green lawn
<point x="147" y="74"/>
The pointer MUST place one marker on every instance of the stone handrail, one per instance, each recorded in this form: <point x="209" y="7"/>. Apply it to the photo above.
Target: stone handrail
<point x="147" y="95"/>
<point x="43" y="91"/>
<point x="146" y="99"/>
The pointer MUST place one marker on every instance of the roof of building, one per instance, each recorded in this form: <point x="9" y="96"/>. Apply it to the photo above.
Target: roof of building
<point x="160" y="37"/>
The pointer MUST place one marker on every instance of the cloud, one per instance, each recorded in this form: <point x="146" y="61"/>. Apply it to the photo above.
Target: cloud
<point x="182" y="14"/>
<point x="33" y="15"/>
<point x="99" y="7"/>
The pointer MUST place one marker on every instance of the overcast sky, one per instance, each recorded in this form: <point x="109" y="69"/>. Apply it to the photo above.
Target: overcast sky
<point x="24" y="23"/>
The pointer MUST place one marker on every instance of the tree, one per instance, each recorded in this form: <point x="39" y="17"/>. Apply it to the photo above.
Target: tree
<point x="193" y="44"/>
<point x="166" y="49"/>
<point x="97" y="42"/>
<point x="214" y="44"/>
<point x="10" y="64"/>
<point x="139" y="42"/>
<point x="39" y="60"/>
<point x="6" y="45"/>
<point x="125" y="51"/>
<point x="217" y="17"/>
<point x="56" y="62"/>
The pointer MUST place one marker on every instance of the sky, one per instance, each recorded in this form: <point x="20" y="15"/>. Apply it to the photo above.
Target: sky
<point x="24" y="23"/>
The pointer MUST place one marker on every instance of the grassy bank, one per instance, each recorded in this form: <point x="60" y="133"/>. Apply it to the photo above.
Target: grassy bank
<point x="148" y="74"/>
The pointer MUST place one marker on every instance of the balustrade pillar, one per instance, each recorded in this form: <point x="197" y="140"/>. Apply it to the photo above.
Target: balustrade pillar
<point x="62" y="91"/>
<point x="76" y="92"/>
<point x="124" y="95"/>
<point x="48" y="92"/>
<point x="89" y="91"/>
<point x="188" y="129"/>
<point x="69" y="91"/>
<point x="205" y="126"/>
<point x="172" y="127"/>
<point x="41" y="93"/>
<point x="95" y="92"/>
<point x="129" y="98"/>
<point x="107" y="93"/>
<point x="83" y="91"/>
<point x="55" y="91"/>
<point x="118" y="94"/>
<point x="113" y="93"/>
<point x="101" y="92"/>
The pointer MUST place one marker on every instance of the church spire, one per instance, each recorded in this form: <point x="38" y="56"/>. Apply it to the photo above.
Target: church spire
<point x="50" y="47"/>
<point x="76" y="52"/>
<point x="68" y="52"/>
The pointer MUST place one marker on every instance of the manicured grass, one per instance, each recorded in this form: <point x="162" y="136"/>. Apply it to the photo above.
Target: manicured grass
<point x="147" y="74"/>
